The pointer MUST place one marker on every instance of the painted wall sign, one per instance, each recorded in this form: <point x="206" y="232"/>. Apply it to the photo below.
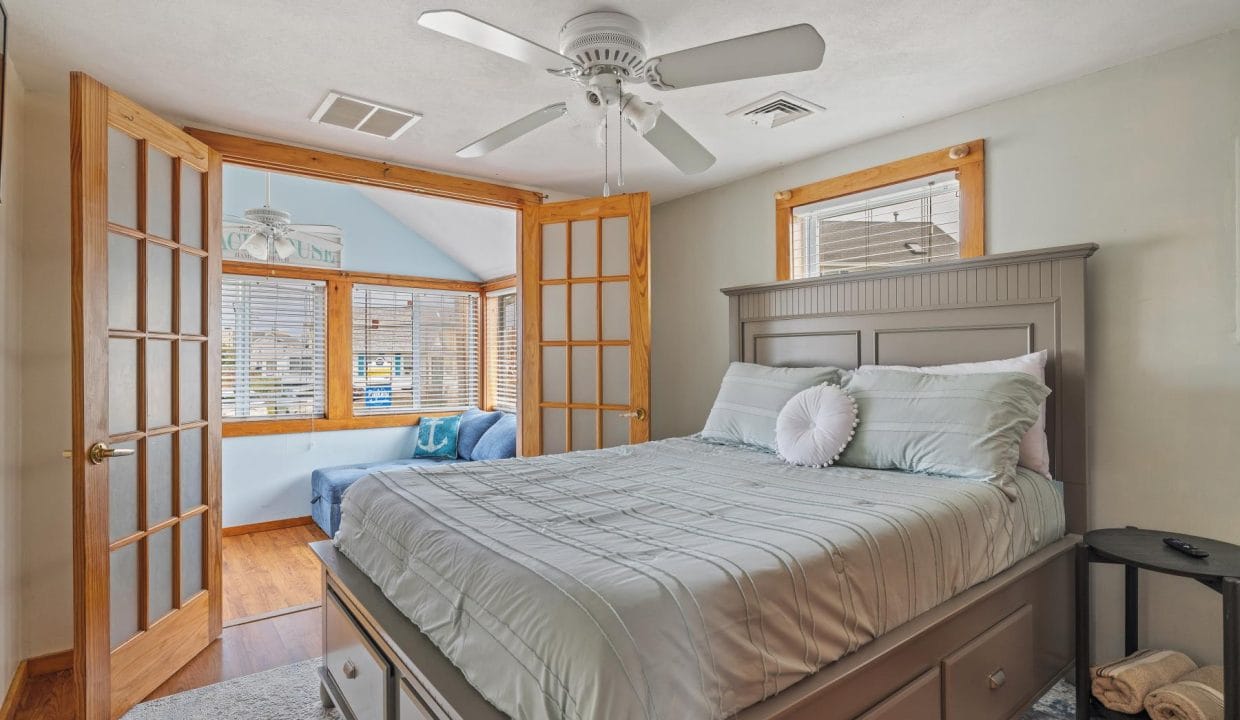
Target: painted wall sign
<point x="321" y="249"/>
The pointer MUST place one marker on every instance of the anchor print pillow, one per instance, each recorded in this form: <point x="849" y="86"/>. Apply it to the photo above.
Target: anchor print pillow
<point x="437" y="437"/>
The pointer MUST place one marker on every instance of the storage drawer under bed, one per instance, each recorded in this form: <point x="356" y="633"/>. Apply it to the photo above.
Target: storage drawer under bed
<point x="992" y="675"/>
<point x="362" y="676"/>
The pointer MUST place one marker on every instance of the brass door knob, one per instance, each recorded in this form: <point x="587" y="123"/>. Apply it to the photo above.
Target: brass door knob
<point x="100" y="452"/>
<point x="639" y="413"/>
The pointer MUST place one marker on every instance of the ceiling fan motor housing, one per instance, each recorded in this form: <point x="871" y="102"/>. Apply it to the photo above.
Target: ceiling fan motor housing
<point x="268" y="216"/>
<point x="605" y="41"/>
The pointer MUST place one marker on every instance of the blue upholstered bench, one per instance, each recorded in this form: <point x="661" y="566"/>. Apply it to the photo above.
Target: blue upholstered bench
<point x="482" y="436"/>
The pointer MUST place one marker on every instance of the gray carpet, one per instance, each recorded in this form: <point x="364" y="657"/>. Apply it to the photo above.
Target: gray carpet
<point x="292" y="693"/>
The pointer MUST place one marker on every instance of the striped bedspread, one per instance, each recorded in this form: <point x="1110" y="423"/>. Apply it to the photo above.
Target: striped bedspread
<point x="674" y="579"/>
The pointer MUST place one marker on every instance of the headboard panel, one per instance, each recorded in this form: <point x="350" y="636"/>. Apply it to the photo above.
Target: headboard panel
<point x="988" y="308"/>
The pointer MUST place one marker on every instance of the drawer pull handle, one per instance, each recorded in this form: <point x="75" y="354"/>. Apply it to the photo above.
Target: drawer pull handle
<point x="349" y="669"/>
<point x="997" y="679"/>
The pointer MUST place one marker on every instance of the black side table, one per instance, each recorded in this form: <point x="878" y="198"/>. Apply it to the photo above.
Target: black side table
<point x="1144" y="549"/>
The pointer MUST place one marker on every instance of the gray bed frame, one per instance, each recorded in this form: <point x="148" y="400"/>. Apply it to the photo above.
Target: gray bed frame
<point x="986" y="654"/>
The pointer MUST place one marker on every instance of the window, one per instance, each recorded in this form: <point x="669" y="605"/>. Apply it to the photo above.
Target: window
<point x="501" y="346"/>
<point x="413" y="350"/>
<point x="273" y="353"/>
<point x="904" y="224"/>
<point x="922" y="209"/>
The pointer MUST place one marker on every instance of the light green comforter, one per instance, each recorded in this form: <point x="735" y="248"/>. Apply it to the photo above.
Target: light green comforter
<point x="675" y="579"/>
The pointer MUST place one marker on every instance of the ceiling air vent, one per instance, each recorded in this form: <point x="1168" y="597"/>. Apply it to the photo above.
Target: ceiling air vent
<point x="775" y="110"/>
<point x="364" y="116"/>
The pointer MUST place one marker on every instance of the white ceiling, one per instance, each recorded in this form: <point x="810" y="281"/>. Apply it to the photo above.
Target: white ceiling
<point x="262" y="68"/>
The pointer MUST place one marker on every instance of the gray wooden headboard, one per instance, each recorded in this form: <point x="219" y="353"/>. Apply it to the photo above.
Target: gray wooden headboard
<point x="987" y="308"/>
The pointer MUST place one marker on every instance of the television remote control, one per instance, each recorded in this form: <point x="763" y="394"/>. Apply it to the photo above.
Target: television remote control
<point x="1190" y="550"/>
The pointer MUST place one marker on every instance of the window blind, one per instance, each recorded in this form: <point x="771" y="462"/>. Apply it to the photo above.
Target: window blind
<point x="273" y="347"/>
<point x="502" y="346"/>
<point x="413" y="350"/>
<point x="904" y="224"/>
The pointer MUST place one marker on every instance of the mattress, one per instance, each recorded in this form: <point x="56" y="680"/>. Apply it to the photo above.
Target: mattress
<point x="673" y="579"/>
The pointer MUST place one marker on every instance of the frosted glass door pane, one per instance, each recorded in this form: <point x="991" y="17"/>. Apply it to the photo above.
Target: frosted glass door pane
<point x="158" y="288"/>
<point x="123" y="593"/>
<point x="122" y="385"/>
<point x="191" y="294"/>
<point x="158" y="479"/>
<point x="615" y="429"/>
<point x="615" y="311"/>
<point x="554" y="302"/>
<point x="158" y="193"/>
<point x="585" y="248"/>
<point x="190" y="372"/>
<point x="585" y="375"/>
<point x="159" y="575"/>
<point x="554" y="251"/>
<point x="585" y="430"/>
<point x="122" y="282"/>
<point x="616" y="246"/>
<point x="191" y="468"/>
<point x="158" y="383"/>
<point x="615" y="375"/>
<point x="191" y="557"/>
<point x="123" y="494"/>
<point x="554" y="375"/>
<point x="122" y="179"/>
<point x="553" y="430"/>
<point x="191" y="206"/>
<point x="585" y="311"/>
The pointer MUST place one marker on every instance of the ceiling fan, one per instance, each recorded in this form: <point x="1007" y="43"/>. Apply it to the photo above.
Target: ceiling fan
<point x="603" y="51"/>
<point x="272" y="231"/>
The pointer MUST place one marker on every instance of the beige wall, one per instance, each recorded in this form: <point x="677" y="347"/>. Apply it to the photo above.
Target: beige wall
<point x="1140" y="158"/>
<point x="10" y="376"/>
<point x="47" y="584"/>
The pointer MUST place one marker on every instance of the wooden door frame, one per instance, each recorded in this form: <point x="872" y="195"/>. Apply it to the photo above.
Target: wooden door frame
<point x="94" y="108"/>
<point x="635" y="206"/>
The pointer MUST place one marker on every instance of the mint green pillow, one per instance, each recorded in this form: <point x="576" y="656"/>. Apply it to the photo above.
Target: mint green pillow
<point x="751" y="396"/>
<point x="966" y="426"/>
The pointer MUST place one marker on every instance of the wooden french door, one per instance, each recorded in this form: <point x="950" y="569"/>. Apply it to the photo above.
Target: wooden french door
<point x="146" y="414"/>
<point x="585" y="307"/>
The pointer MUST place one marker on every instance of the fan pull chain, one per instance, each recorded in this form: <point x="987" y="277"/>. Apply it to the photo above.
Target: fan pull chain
<point x="606" y="156"/>
<point x="620" y="147"/>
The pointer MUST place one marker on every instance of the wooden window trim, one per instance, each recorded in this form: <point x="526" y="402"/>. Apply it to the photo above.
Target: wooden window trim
<point x="968" y="159"/>
<point x="338" y="408"/>
<point x="486" y="373"/>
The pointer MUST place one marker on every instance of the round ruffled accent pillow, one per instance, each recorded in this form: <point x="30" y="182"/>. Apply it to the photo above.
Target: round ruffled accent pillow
<point x="815" y="426"/>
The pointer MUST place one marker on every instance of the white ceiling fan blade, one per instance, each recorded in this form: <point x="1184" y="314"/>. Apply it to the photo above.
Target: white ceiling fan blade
<point x="284" y="247"/>
<point x="678" y="146"/>
<point x="255" y="246"/>
<point x="488" y="37"/>
<point x="513" y="130"/>
<point x="773" y="52"/>
<point x="324" y="236"/>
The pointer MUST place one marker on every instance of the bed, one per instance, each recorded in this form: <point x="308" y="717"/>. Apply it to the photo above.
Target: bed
<point x="715" y="579"/>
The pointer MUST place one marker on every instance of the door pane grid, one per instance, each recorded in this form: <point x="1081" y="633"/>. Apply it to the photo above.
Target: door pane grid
<point x="161" y="577"/>
<point x="575" y="260"/>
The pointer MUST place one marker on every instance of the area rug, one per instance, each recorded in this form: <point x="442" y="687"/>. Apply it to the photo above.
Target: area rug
<point x="292" y="693"/>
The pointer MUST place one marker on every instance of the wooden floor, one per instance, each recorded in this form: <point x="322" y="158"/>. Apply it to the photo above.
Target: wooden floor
<point x="264" y="573"/>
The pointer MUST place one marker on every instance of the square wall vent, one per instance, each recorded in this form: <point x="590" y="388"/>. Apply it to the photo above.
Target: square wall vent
<point x="775" y="110"/>
<point x="364" y="116"/>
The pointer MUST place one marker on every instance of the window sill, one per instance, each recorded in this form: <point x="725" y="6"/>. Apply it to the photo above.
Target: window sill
<point x="247" y="428"/>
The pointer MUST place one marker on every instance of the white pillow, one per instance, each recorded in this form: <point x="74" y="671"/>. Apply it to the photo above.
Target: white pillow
<point x="815" y="426"/>
<point x="1034" y="450"/>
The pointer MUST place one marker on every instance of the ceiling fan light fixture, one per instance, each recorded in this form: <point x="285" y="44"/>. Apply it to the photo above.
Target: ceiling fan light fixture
<point x="255" y="246"/>
<point x="642" y="115"/>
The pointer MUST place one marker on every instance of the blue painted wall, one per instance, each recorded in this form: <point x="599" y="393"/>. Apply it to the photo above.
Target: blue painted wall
<point x="374" y="241"/>
<point x="267" y="477"/>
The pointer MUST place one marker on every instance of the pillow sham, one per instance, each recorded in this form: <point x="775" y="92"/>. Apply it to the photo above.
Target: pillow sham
<point x="1034" y="450"/>
<point x="815" y="426"/>
<point x="966" y="426"/>
<point x="437" y="437"/>
<point x="751" y="396"/>
<point x="474" y="424"/>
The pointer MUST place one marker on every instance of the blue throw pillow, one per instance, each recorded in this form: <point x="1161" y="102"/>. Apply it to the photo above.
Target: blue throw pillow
<point x="500" y="441"/>
<point x="474" y="423"/>
<point x="437" y="437"/>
